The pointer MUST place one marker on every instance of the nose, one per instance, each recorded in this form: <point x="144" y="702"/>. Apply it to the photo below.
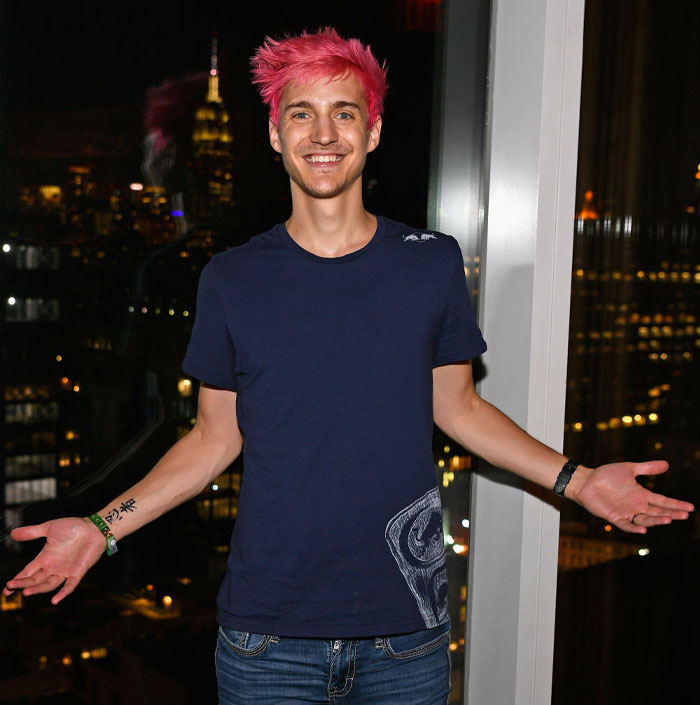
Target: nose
<point x="324" y="130"/>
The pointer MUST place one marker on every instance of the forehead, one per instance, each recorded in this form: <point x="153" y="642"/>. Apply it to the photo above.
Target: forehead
<point x="325" y="90"/>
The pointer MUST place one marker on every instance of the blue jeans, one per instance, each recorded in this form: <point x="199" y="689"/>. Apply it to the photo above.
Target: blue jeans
<point x="408" y="669"/>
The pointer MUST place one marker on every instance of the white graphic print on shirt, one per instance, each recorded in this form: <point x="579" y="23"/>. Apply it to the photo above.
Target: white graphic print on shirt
<point x="415" y="538"/>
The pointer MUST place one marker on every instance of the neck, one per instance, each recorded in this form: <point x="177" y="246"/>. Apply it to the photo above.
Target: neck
<point x="330" y="227"/>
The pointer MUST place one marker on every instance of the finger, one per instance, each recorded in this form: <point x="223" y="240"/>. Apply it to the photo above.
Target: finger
<point x="663" y="502"/>
<point x="672" y="513"/>
<point x="7" y="592"/>
<point x="66" y="590"/>
<point x="648" y="520"/>
<point x="48" y="585"/>
<point x="650" y="467"/>
<point x="18" y="583"/>
<point x="30" y="569"/>
<point x="29" y="533"/>
<point x="629" y="527"/>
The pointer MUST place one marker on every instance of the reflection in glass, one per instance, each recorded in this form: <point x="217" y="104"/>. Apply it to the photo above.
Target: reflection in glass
<point x="626" y="601"/>
<point x="98" y="271"/>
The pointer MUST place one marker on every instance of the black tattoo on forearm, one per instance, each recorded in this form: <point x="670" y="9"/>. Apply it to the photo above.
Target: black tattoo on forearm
<point x="115" y="514"/>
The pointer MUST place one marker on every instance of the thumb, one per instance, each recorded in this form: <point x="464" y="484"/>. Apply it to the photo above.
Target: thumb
<point x="650" y="467"/>
<point x="28" y="533"/>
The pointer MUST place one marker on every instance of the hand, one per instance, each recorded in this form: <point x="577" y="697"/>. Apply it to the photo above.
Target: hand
<point x="613" y="493"/>
<point x="72" y="547"/>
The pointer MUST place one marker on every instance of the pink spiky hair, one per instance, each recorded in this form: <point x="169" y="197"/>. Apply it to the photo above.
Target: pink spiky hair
<point x="169" y="108"/>
<point x="309" y="57"/>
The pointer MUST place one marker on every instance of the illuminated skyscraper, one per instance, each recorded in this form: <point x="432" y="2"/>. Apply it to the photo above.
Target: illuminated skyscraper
<point x="212" y="140"/>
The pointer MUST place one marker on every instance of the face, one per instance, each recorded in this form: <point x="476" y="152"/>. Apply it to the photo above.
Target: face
<point x="323" y="136"/>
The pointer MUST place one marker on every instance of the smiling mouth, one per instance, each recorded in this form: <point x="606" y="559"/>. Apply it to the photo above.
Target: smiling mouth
<point x="324" y="158"/>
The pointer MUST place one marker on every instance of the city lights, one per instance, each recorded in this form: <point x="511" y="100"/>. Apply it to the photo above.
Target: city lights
<point x="643" y="552"/>
<point x="11" y="300"/>
<point x="465" y="523"/>
<point x="6" y="247"/>
<point x="136" y="186"/>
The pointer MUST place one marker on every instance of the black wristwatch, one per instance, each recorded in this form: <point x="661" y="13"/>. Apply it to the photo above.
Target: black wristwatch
<point x="564" y="476"/>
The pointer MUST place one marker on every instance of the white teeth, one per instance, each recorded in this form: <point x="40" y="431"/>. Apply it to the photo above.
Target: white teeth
<point x="325" y="158"/>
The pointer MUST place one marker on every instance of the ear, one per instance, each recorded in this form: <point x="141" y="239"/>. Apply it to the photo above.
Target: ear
<point x="274" y="136"/>
<point x="374" y="133"/>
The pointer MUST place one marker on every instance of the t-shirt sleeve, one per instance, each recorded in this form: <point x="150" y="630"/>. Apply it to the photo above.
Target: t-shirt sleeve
<point x="459" y="337"/>
<point x="211" y="356"/>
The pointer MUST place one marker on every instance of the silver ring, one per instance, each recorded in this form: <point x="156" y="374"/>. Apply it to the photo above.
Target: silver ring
<point x="633" y="518"/>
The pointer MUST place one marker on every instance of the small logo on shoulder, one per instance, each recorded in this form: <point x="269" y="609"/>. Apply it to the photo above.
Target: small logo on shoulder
<point x="419" y="237"/>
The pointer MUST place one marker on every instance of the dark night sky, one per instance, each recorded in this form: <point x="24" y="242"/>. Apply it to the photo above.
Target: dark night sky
<point x="87" y="55"/>
<point x="84" y="53"/>
<point x="65" y="63"/>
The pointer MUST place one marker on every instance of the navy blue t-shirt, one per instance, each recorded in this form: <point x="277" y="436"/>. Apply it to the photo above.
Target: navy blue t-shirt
<point x="339" y="529"/>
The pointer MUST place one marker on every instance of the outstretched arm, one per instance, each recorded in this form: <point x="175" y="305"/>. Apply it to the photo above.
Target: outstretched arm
<point x="609" y="491"/>
<point x="73" y="545"/>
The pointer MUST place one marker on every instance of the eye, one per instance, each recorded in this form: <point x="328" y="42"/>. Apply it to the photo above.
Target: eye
<point x="301" y="115"/>
<point x="345" y="115"/>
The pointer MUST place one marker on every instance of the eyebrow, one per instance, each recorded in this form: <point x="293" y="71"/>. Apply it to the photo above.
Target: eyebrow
<point x="334" y="106"/>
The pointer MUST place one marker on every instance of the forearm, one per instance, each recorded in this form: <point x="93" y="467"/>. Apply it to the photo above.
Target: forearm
<point x="490" y="434"/>
<point x="183" y="472"/>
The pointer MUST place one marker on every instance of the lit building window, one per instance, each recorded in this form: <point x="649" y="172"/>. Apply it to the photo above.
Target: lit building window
<point x="20" y="310"/>
<point x="32" y="412"/>
<point x="19" y="466"/>
<point x="184" y="387"/>
<point x="30" y="490"/>
<point x="11" y="602"/>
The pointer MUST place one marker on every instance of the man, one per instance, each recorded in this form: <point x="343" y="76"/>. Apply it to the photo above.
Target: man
<point x="330" y="343"/>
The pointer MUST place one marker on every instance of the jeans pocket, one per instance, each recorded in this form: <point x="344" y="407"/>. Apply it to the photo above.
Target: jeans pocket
<point x="416" y="643"/>
<point x="245" y="643"/>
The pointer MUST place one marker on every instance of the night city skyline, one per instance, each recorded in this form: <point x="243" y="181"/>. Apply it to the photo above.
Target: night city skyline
<point x="98" y="275"/>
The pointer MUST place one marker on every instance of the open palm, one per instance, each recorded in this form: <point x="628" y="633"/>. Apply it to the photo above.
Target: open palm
<point x="613" y="493"/>
<point x="72" y="547"/>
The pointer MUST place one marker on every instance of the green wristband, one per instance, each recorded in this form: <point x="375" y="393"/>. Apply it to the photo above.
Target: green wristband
<point x="102" y="525"/>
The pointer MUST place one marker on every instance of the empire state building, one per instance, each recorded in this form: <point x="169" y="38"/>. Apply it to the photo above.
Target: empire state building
<point x="212" y="142"/>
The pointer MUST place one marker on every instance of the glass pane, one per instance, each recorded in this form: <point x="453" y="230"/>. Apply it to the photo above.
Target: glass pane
<point x="101" y="252"/>
<point x="626" y="601"/>
<point x="456" y="207"/>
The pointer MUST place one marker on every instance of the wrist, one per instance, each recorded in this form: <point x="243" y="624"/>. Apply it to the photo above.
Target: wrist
<point x="102" y="533"/>
<point x="578" y="479"/>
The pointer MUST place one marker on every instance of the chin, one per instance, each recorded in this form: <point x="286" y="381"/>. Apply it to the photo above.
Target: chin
<point x="327" y="191"/>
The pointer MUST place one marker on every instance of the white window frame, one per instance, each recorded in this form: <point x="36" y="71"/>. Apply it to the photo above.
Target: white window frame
<point x="526" y="242"/>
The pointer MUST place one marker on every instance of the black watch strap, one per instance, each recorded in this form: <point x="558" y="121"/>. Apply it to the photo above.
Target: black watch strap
<point x="564" y="476"/>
